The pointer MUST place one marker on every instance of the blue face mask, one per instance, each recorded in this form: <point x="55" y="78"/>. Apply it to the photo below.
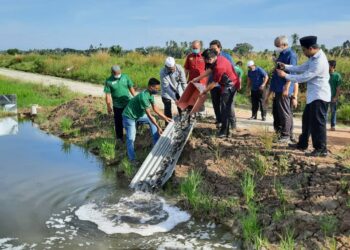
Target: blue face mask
<point x="195" y="51"/>
<point x="153" y="92"/>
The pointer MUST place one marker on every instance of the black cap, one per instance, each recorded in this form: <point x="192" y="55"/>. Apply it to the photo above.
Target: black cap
<point x="308" y="41"/>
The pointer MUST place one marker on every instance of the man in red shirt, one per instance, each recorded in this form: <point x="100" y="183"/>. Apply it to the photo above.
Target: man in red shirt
<point x="225" y="75"/>
<point x="195" y="64"/>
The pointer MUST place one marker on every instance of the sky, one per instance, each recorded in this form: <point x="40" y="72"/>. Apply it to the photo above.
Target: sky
<point x="49" y="24"/>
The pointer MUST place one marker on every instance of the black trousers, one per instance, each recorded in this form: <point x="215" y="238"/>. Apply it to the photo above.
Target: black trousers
<point x="167" y="107"/>
<point x="215" y="94"/>
<point x="227" y="113"/>
<point x="118" y="122"/>
<point x="282" y="115"/>
<point x="314" y="122"/>
<point x="257" y="98"/>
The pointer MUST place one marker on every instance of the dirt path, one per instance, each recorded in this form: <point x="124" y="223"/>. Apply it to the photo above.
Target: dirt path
<point x="341" y="137"/>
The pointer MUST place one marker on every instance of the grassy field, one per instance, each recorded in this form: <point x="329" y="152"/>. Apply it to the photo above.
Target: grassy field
<point x="28" y="94"/>
<point x="96" y="68"/>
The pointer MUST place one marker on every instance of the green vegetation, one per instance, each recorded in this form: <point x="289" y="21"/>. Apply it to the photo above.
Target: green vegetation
<point x="28" y="94"/>
<point x="287" y="240"/>
<point x="267" y="138"/>
<point x="107" y="149"/>
<point x="127" y="167"/>
<point x="260" y="163"/>
<point x="190" y="188"/>
<point x="66" y="124"/>
<point x="250" y="226"/>
<point x="328" y="224"/>
<point x="248" y="187"/>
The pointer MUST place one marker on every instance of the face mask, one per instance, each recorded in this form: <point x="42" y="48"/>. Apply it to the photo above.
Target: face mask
<point x="118" y="76"/>
<point x="195" y="51"/>
<point x="153" y="92"/>
<point x="278" y="50"/>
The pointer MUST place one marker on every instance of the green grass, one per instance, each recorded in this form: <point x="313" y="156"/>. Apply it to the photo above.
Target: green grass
<point x="280" y="192"/>
<point x="248" y="187"/>
<point x="66" y="124"/>
<point x="260" y="164"/>
<point x="344" y="112"/>
<point x="328" y="224"/>
<point x="107" y="149"/>
<point x="267" y="138"/>
<point x="28" y="93"/>
<point x="250" y="226"/>
<point x="189" y="188"/>
<point x="287" y="240"/>
<point x="283" y="163"/>
<point x="127" y="167"/>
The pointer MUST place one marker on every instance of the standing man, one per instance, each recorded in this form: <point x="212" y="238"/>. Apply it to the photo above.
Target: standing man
<point x="139" y="110"/>
<point x="224" y="75"/>
<point x="281" y="109"/>
<point x="195" y="65"/>
<point x="239" y="70"/>
<point x="335" y="82"/>
<point x="256" y="82"/>
<point x="315" y="72"/>
<point x="119" y="89"/>
<point x="173" y="83"/>
<point x="215" y="93"/>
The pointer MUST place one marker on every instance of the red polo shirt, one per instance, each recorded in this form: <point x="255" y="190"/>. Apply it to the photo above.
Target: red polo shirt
<point x="223" y="69"/>
<point x="195" y="65"/>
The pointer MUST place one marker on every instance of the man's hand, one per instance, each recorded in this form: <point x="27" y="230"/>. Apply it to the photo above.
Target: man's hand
<point x="281" y="73"/>
<point x="281" y="65"/>
<point x="109" y="109"/>
<point x="167" y="119"/>
<point x="160" y="131"/>
<point x="285" y="92"/>
<point x="262" y="87"/>
<point x="295" y="103"/>
<point x="193" y="80"/>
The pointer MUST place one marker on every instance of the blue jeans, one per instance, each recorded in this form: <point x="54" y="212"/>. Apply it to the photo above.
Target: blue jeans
<point x="130" y="127"/>
<point x="333" y="106"/>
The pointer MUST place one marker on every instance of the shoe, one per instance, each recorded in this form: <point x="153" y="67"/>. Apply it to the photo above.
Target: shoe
<point x="284" y="140"/>
<point x="332" y="128"/>
<point x="317" y="153"/>
<point x="222" y="134"/>
<point x="263" y="119"/>
<point x="252" y="118"/>
<point x="296" y="146"/>
<point x="218" y="124"/>
<point x="292" y="139"/>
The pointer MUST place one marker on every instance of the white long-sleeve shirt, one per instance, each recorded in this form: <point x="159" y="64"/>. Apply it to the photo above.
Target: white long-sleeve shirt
<point x="315" y="72"/>
<point x="172" y="83"/>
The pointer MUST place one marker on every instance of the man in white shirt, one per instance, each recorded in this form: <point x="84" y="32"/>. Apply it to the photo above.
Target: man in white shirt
<point x="173" y="83"/>
<point x="315" y="72"/>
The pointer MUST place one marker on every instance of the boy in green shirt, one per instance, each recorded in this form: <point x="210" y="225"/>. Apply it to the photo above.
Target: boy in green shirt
<point x="139" y="110"/>
<point x="119" y="89"/>
<point x="335" y="82"/>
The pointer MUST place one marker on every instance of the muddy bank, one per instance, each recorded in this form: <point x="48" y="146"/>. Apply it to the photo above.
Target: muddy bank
<point x="308" y="196"/>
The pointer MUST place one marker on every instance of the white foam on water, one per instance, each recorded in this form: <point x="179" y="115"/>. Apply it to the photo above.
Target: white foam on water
<point x="102" y="216"/>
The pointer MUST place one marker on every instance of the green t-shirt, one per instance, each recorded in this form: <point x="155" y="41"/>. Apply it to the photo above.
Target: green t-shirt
<point x="137" y="105"/>
<point x="239" y="71"/>
<point x="119" y="90"/>
<point x="335" y="82"/>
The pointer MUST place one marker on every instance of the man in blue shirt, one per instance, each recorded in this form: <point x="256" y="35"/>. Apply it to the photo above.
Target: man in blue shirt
<point x="281" y="109"/>
<point x="256" y="82"/>
<point x="215" y="93"/>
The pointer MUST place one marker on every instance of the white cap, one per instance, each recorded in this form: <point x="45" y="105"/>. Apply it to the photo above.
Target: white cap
<point x="250" y="63"/>
<point x="170" y="62"/>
